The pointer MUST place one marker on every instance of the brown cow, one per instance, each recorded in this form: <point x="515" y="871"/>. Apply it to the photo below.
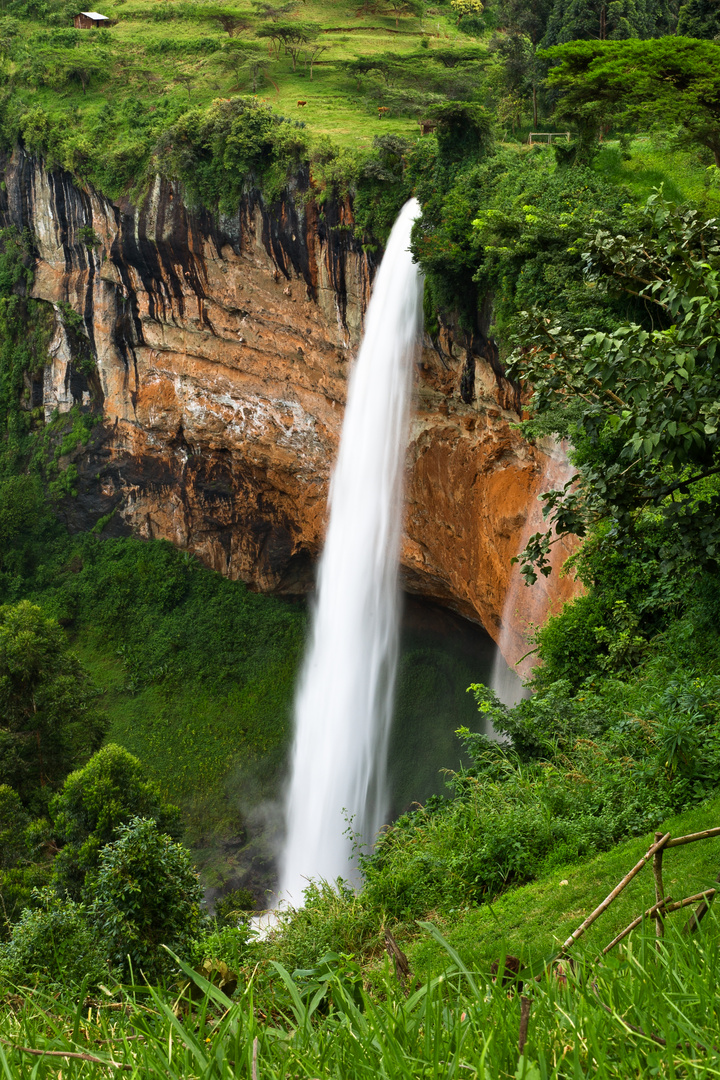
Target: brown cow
<point x="302" y="103"/>
<point x="382" y="109"/>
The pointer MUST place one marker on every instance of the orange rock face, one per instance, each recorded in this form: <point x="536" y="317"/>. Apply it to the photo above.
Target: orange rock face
<point x="222" y="353"/>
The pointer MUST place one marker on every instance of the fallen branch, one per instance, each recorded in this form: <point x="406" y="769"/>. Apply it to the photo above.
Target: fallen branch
<point x="76" y="1056"/>
<point x="402" y="968"/>
<point x="615" y="893"/>
<point x="697" y="916"/>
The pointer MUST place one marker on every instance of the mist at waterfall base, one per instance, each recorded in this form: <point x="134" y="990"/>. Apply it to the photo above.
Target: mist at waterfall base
<point x="343" y="707"/>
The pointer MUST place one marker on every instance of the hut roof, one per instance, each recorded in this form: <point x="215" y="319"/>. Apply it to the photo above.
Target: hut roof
<point x="95" y="15"/>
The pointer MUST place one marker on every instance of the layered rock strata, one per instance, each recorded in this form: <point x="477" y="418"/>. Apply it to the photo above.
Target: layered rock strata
<point x="222" y="350"/>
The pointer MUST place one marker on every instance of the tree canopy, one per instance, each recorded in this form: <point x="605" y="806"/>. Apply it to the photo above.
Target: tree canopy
<point x="674" y="79"/>
<point x="48" y="719"/>
<point x="647" y="427"/>
<point x="94" y="801"/>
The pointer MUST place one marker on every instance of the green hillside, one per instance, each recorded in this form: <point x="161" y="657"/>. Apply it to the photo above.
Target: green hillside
<point x="122" y="88"/>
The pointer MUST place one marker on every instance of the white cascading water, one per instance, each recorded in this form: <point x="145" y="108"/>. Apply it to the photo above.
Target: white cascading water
<point x="343" y="706"/>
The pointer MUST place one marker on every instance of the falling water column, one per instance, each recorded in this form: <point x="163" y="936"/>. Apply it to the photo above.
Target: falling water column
<point x="343" y="705"/>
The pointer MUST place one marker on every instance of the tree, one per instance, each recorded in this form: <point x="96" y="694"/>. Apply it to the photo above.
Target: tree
<point x="312" y="53"/>
<point x="273" y="12"/>
<point x="95" y="800"/>
<point x="147" y="895"/>
<point x="233" y="22"/>
<point x="22" y="507"/>
<point x="186" y="80"/>
<point x="55" y="67"/>
<point x="699" y="19"/>
<point x="601" y="20"/>
<point x="517" y="54"/>
<point x="647" y="429"/>
<point x="674" y="79"/>
<point x="244" y="58"/>
<point x="292" y="36"/>
<point x="519" y="17"/>
<point x="467" y="7"/>
<point x="415" y="8"/>
<point x="13" y="821"/>
<point x="464" y="130"/>
<point x="48" y="721"/>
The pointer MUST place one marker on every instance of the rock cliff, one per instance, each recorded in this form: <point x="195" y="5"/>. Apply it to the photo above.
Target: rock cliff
<point x="222" y="350"/>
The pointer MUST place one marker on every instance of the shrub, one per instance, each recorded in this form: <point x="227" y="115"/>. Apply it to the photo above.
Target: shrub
<point x="106" y="793"/>
<point x="13" y="820"/>
<point x="49" y="724"/>
<point x="54" y="944"/>
<point x="147" y="895"/>
<point x="228" y="945"/>
<point x="234" y="906"/>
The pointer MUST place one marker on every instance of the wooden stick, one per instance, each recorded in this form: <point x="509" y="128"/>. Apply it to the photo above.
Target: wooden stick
<point x="667" y="907"/>
<point x="525" y="1003"/>
<point x="402" y="968"/>
<point x="692" y="837"/>
<point x="636" y="922"/>
<point x="709" y="893"/>
<point x="697" y="916"/>
<point x="70" y="1054"/>
<point x="616" y="892"/>
<point x="659" y="889"/>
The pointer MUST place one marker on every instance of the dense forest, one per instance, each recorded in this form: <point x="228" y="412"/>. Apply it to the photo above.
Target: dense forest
<point x="566" y="156"/>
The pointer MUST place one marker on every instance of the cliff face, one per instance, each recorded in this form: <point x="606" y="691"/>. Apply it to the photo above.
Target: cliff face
<point x="222" y="353"/>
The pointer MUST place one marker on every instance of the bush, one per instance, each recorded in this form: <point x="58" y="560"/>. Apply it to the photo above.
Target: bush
<point x="228" y="945"/>
<point x="49" y="724"/>
<point x="54" y="944"/>
<point x="235" y="905"/>
<point x="13" y="820"/>
<point x="106" y="793"/>
<point x="332" y="918"/>
<point x="147" y="895"/>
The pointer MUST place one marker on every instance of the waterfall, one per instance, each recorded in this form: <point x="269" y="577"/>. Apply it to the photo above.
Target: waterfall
<point x="343" y="706"/>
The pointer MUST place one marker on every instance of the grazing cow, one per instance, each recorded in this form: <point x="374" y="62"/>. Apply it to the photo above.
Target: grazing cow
<point x="382" y="109"/>
<point x="301" y="103"/>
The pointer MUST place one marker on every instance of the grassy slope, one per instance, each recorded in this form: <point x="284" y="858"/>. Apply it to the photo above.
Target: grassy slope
<point x="215" y="754"/>
<point x="533" y="921"/>
<point x="333" y="106"/>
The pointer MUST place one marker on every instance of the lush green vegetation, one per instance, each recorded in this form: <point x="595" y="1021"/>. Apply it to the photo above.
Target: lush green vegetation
<point x="340" y="1018"/>
<point x="144" y="701"/>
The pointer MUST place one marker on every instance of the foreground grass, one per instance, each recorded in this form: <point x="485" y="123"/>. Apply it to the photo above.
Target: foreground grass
<point x="644" y="1011"/>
